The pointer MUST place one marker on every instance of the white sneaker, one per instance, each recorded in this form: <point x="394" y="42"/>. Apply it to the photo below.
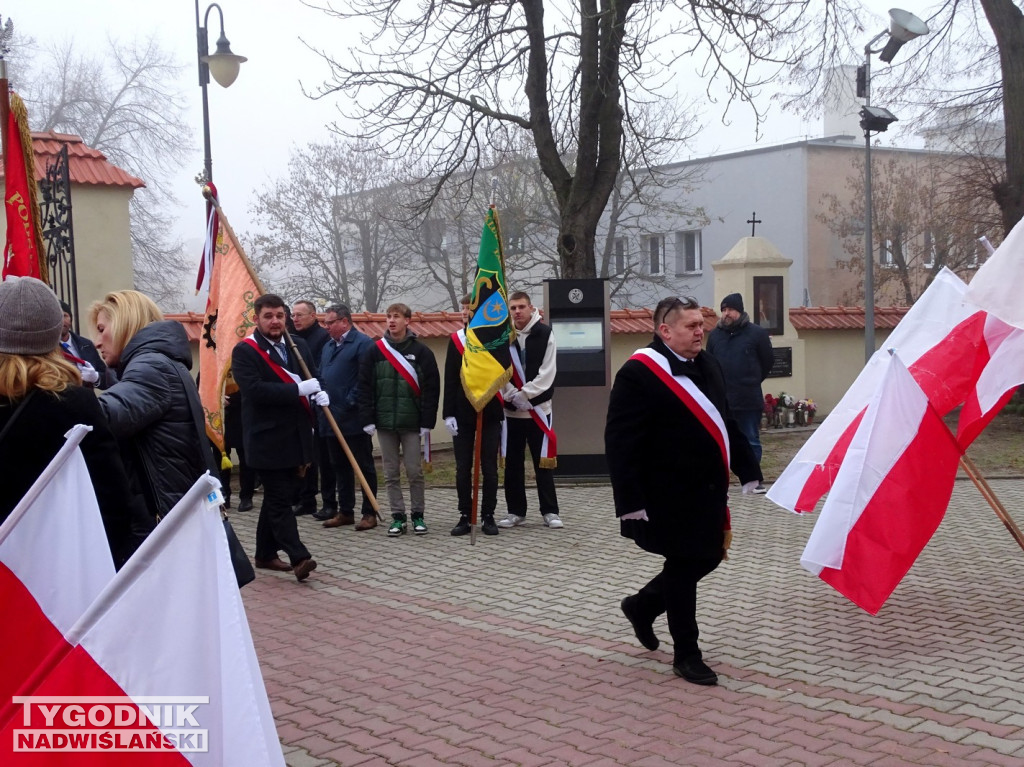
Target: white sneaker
<point x="552" y="521"/>
<point x="511" y="520"/>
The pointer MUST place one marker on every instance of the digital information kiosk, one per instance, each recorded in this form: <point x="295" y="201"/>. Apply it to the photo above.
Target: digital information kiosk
<point x="578" y="312"/>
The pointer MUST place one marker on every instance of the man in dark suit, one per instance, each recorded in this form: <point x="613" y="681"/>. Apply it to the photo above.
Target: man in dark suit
<point x="277" y="430"/>
<point x="95" y="373"/>
<point x="671" y="441"/>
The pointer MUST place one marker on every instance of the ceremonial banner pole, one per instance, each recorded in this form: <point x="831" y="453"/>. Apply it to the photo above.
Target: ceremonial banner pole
<point x="989" y="495"/>
<point x="302" y="363"/>
<point x="476" y="476"/>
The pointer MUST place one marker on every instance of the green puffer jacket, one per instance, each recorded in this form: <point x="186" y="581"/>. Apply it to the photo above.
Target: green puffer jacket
<point x="386" y="398"/>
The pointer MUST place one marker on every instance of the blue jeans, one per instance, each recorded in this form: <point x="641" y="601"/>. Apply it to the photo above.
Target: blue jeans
<point x="749" y="422"/>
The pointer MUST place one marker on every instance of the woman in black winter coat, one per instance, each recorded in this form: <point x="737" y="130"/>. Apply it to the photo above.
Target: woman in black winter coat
<point x="150" y="408"/>
<point x="41" y="399"/>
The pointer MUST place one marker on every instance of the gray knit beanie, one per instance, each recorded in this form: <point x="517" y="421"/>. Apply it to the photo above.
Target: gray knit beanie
<point x="30" y="317"/>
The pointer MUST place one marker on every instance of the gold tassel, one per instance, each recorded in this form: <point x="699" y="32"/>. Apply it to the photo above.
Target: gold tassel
<point x="20" y="113"/>
<point x="548" y="463"/>
<point x="428" y="467"/>
<point x="726" y="545"/>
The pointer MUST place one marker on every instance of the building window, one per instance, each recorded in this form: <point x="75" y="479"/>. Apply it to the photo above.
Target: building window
<point x="654" y="245"/>
<point x="886" y="259"/>
<point x="619" y="251"/>
<point x="688" y="256"/>
<point x="930" y="250"/>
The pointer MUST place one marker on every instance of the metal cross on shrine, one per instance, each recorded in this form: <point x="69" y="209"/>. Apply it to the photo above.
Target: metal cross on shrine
<point x="753" y="221"/>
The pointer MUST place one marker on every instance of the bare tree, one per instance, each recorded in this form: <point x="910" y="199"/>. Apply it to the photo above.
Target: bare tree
<point x="327" y="230"/>
<point x="440" y="80"/>
<point x="926" y="216"/>
<point x="125" y="105"/>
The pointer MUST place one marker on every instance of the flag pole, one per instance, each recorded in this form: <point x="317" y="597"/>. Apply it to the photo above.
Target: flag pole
<point x="302" y="363"/>
<point x="989" y="495"/>
<point x="476" y="475"/>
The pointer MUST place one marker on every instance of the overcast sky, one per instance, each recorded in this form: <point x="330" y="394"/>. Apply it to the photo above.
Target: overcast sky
<point x="259" y="119"/>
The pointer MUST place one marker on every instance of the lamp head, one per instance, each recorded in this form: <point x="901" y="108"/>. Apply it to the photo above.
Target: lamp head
<point x="876" y="119"/>
<point x="903" y="27"/>
<point x="224" y="64"/>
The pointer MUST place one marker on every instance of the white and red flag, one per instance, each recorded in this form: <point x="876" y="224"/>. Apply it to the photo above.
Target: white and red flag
<point x="940" y="339"/>
<point x="995" y="287"/>
<point x="1001" y="372"/>
<point x="159" y="668"/>
<point x="889" y="495"/>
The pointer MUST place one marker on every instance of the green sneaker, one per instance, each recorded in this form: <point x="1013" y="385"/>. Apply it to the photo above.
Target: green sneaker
<point x="419" y="525"/>
<point x="397" y="527"/>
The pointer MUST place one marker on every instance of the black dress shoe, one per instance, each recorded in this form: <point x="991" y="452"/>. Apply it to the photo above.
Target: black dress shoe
<point x="302" y="509"/>
<point x="644" y="630"/>
<point x="325" y="513"/>
<point x="245" y="505"/>
<point x="695" y="670"/>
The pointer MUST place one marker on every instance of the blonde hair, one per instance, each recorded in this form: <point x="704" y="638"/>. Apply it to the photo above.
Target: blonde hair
<point x="128" y="312"/>
<point x="50" y="372"/>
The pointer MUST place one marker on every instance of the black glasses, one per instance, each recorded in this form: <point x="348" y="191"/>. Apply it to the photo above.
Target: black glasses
<point x="670" y="304"/>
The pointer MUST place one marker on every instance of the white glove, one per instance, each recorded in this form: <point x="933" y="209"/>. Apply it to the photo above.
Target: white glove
<point x="750" y="487"/>
<point x="308" y="387"/>
<point x="452" y="426"/>
<point x="640" y="515"/>
<point x="521" y="402"/>
<point x="321" y="399"/>
<point x="89" y="374"/>
<point x="424" y="432"/>
<point x="370" y="429"/>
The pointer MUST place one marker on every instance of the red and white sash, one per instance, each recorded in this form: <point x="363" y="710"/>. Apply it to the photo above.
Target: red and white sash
<point x="285" y="375"/>
<point x="549" y="448"/>
<point x="405" y="369"/>
<point x="693" y="398"/>
<point x="459" y="338"/>
<point x="697" y="403"/>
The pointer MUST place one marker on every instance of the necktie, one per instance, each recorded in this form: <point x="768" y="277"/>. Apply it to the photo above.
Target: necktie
<point x="282" y="351"/>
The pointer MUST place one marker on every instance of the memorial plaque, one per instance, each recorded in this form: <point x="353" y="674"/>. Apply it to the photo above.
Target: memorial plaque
<point x="782" y="365"/>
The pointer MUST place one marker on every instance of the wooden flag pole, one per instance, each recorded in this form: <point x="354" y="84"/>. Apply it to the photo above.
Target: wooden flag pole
<point x="989" y="495"/>
<point x="302" y="363"/>
<point x="476" y="476"/>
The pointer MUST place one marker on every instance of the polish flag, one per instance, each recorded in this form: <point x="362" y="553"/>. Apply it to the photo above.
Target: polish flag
<point x="1001" y="373"/>
<point x="166" y="643"/>
<point x="995" y="287"/>
<point x="889" y="495"/>
<point x="54" y="562"/>
<point x="938" y="339"/>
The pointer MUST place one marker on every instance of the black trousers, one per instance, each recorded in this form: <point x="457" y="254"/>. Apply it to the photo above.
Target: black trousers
<point x="361" y="445"/>
<point x="674" y="590"/>
<point x="463" y="447"/>
<point x="523" y="432"/>
<point x="320" y="476"/>
<point x="277" y="528"/>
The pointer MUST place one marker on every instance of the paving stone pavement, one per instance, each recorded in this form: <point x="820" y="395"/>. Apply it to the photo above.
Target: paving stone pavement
<point x="425" y="650"/>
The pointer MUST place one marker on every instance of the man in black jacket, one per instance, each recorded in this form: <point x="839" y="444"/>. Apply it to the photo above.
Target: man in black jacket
<point x="277" y="429"/>
<point x="670" y="443"/>
<point x="320" y="475"/>
<point x="744" y="351"/>
<point x="460" y="420"/>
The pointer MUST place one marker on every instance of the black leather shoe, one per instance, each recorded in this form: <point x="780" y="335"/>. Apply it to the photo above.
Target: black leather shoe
<point x="325" y="513"/>
<point x="462" y="528"/>
<point x="489" y="527"/>
<point x="245" y="505"/>
<point x="695" y="670"/>
<point x="644" y="630"/>
<point x="301" y="510"/>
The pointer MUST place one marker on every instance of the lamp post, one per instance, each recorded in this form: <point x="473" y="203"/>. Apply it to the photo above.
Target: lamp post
<point x="903" y="27"/>
<point x="223" y="65"/>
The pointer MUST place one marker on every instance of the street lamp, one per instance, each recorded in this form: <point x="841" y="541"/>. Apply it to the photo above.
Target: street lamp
<point x="223" y="65"/>
<point x="903" y="27"/>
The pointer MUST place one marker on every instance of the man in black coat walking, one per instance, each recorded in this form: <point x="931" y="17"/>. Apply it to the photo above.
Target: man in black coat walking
<point x="277" y="430"/>
<point x="670" y="442"/>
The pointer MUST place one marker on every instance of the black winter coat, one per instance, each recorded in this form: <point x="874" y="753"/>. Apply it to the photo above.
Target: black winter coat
<point x="36" y="437"/>
<point x="661" y="459"/>
<point x="277" y="429"/>
<point x="150" y="415"/>
<point x="744" y="350"/>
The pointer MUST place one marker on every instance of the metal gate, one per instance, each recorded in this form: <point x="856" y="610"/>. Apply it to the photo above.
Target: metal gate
<point x="58" y="232"/>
